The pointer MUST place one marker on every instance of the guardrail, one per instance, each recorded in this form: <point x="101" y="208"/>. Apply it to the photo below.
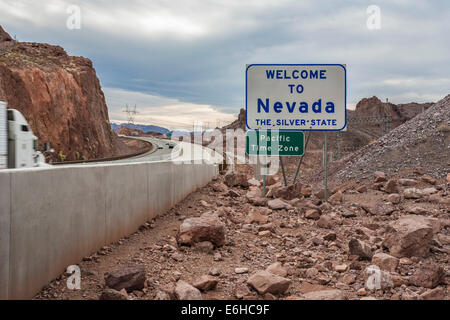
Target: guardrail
<point x="51" y="218"/>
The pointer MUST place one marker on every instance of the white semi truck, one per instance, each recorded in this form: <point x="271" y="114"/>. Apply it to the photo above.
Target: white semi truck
<point x="18" y="145"/>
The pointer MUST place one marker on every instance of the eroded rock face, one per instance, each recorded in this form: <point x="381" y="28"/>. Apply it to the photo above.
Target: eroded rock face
<point x="267" y="282"/>
<point x="207" y="227"/>
<point x="61" y="98"/>
<point x="409" y="236"/>
<point x="129" y="278"/>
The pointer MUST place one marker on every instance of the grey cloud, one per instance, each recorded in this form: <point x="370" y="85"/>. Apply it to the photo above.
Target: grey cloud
<point x="195" y="51"/>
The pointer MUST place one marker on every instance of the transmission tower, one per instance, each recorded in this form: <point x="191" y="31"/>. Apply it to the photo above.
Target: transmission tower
<point x="131" y="113"/>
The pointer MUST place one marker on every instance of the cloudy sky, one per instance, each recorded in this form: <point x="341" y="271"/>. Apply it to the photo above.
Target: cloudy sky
<point x="182" y="61"/>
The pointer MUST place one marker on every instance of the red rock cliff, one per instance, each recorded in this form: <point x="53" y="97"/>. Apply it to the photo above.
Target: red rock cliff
<point x="61" y="98"/>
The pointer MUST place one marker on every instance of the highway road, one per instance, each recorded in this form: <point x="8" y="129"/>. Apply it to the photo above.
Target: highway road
<point x="182" y="152"/>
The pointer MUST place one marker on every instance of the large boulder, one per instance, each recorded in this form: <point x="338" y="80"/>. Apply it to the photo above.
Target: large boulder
<point x="267" y="282"/>
<point x="430" y="275"/>
<point x="207" y="227"/>
<point x="184" y="291"/>
<point x="409" y="236"/>
<point x="236" y="180"/>
<point x="129" y="278"/>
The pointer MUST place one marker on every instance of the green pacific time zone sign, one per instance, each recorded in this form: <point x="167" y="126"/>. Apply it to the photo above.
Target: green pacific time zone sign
<point x="275" y="143"/>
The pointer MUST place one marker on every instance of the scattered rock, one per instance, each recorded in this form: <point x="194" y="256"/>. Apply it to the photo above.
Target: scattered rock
<point x="383" y="209"/>
<point x="416" y="210"/>
<point x="330" y="236"/>
<point x="207" y="227"/>
<point x="312" y="214"/>
<point x="360" y="249"/>
<point x="392" y="186"/>
<point x="385" y="261"/>
<point x="325" y="222"/>
<point x="409" y="236"/>
<point x="288" y="192"/>
<point x="278" y="204"/>
<point x="240" y="270"/>
<point x="254" y="182"/>
<point x="428" y="179"/>
<point x="394" y="198"/>
<point x="184" y="291"/>
<point x="337" y="197"/>
<point x="380" y="176"/>
<point x="162" y="295"/>
<point x="428" y="275"/>
<point x="333" y="294"/>
<point x="277" y="268"/>
<point x="306" y="192"/>
<point x="407" y="182"/>
<point x="241" y="291"/>
<point x="205" y="283"/>
<point x="129" y="278"/>
<point x="341" y="268"/>
<point x="236" y="179"/>
<point x="255" y="216"/>
<point x="361" y="292"/>
<point x="111" y="294"/>
<point x="361" y="189"/>
<point x="412" y="193"/>
<point x="204" y="246"/>
<point x="267" y="282"/>
<point x="433" y="294"/>
<point x="348" y="213"/>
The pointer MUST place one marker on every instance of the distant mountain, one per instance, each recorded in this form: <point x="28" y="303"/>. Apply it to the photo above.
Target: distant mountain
<point x="143" y="127"/>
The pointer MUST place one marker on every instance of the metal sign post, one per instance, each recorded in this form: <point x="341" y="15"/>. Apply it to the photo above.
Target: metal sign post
<point x="325" y="167"/>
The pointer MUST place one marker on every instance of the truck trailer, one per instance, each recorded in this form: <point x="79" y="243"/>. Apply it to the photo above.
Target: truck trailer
<point x="18" y="144"/>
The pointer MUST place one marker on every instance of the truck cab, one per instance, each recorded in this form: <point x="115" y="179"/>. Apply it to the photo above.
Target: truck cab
<point x="22" y="143"/>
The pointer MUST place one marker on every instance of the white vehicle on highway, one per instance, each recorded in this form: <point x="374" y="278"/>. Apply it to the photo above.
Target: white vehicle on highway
<point x="18" y="144"/>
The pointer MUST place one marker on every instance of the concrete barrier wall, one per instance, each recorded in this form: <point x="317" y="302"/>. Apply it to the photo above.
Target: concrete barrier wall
<point x="52" y="218"/>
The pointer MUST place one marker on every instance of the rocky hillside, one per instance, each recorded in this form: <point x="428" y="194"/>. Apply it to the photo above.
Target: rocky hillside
<point x="424" y="141"/>
<point x="61" y="98"/>
<point x="400" y="113"/>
